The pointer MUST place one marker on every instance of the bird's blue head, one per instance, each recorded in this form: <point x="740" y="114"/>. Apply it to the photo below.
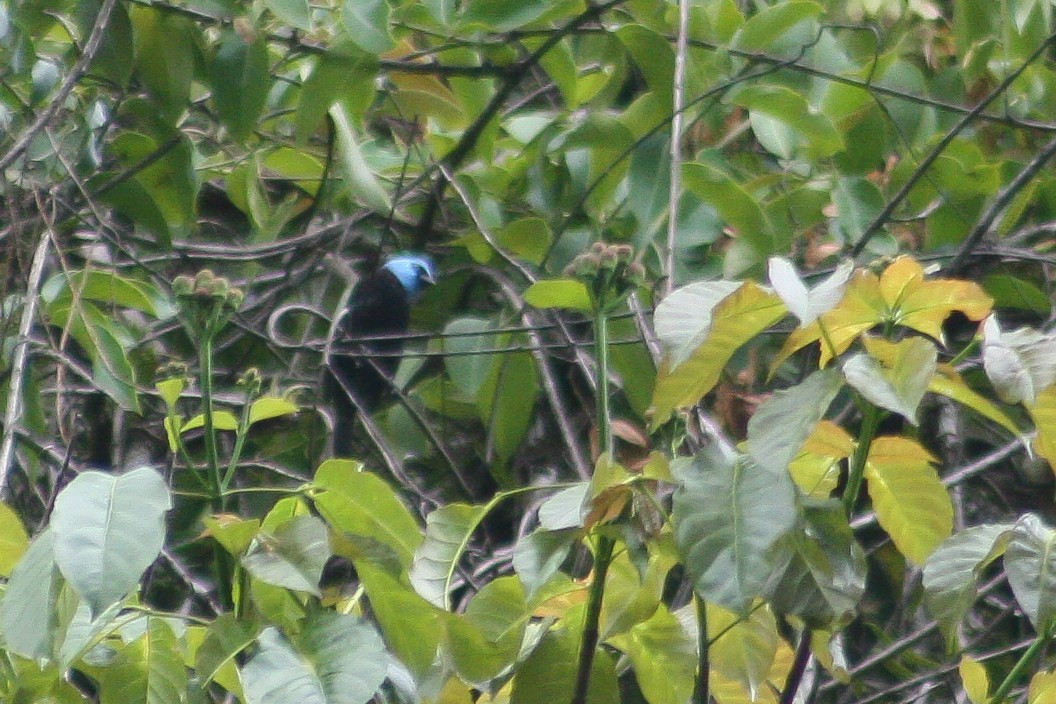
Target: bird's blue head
<point x="414" y="272"/>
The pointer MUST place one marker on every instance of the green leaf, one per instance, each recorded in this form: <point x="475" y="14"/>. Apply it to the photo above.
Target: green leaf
<point x="507" y="405"/>
<point x="239" y="76"/>
<point x="549" y="673"/>
<point x="975" y="680"/>
<point x="13" y="540"/>
<point x="559" y="293"/>
<point x="858" y="201"/>
<point x="367" y="24"/>
<point x="1029" y="564"/>
<point x="164" y="57"/>
<point x="765" y="27"/>
<point x="894" y="376"/>
<point x="335" y="76"/>
<point x="781" y="425"/>
<point x="663" y="656"/>
<point x="362" y="504"/>
<point x="108" y="530"/>
<point x="485" y="641"/>
<point x="565" y="508"/>
<point x="222" y="420"/>
<point x="949" y="383"/>
<point x="447" y="533"/>
<point x="360" y="180"/>
<point x="736" y="320"/>
<point x="105" y="287"/>
<point x="538" y="556"/>
<point x="27" y="610"/>
<point x="411" y="625"/>
<point x="952" y="572"/>
<point x="292" y="12"/>
<point x="293" y="558"/>
<point x="733" y="204"/>
<point x="148" y="670"/>
<point x="502" y="15"/>
<point x="228" y="636"/>
<point x="234" y="534"/>
<point x="464" y="362"/>
<point x="526" y="238"/>
<point x="1010" y="291"/>
<point x="743" y="647"/>
<point x="270" y="407"/>
<point x="339" y="659"/>
<point x="811" y="130"/>
<point x="726" y="516"/>
<point x="683" y="318"/>
<point x="1020" y="364"/>
<point x="910" y="501"/>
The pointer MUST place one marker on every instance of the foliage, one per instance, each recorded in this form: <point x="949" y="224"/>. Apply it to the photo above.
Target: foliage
<point x="832" y="443"/>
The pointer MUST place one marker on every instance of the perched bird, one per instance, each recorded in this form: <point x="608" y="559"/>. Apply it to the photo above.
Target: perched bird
<point x="380" y="305"/>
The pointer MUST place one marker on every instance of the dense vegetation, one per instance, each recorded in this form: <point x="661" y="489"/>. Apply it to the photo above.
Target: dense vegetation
<point x="737" y="383"/>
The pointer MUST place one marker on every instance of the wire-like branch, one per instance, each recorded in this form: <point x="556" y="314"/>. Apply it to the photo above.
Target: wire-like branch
<point x="982" y="226"/>
<point x="677" y="115"/>
<point x="882" y="217"/>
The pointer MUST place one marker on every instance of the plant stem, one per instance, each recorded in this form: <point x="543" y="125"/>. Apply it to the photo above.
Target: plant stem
<point x="240" y="441"/>
<point x="605" y="544"/>
<point x="1020" y="667"/>
<point x="602" y="557"/>
<point x="871" y="418"/>
<point x="701" y="689"/>
<point x="799" y="666"/>
<point x="205" y="361"/>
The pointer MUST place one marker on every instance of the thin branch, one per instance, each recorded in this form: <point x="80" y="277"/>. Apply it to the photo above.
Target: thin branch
<point x="677" y="109"/>
<point x="20" y="360"/>
<point x="79" y="68"/>
<point x="982" y="226"/>
<point x="882" y="217"/>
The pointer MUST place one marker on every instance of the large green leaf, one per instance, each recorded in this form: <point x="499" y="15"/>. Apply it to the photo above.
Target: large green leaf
<point x="165" y="51"/>
<point x="727" y="515"/>
<point x="293" y="557"/>
<point x="1030" y="563"/>
<point x="742" y="648"/>
<point x="733" y="203"/>
<point x="780" y="426"/>
<point x="811" y="131"/>
<point x="149" y="669"/>
<point x="336" y="659"/>
<point x="538" y="556"/>
<point x="485" y="641"/>
<point x="766" y="26"/>
<point x="27" y="611"/>
<point x="952" y="572"/>
<point x="898" y="381"/>
<point x="227" y="637"/>
<point x="108" y="529"/>
<point x="367" y="24"/>
<point x="411" y="625"/>
<point x="824" y="577"/>
<point x="549" y="673"/>
<point x="447" y="533"/>
<point x="239" y="76"/>
<point x="683" y="318"/>
<point x="360" y="180"/>
<point x="737" y="319"/>
<point x="663" y="656"/>
<point x="910" y="501"/>
<point x="361" y="503"/>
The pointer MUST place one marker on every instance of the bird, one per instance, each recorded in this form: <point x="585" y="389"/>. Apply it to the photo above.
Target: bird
<point x="380" y="305"/>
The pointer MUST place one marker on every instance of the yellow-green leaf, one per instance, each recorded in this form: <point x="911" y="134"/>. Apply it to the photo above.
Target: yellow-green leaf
<point x="271" y="407"/>
<point x="222" y="420"/>
<point x="975" y="680"/>
<point x="910" y="501"/>
<point x="737" y="319"/>
<point x="949" y="383"/>
<point x="1042" y="688"/>
<point x="924" y="304"/>
<point x="170" y="390"/>
<point x="559" y="293"/>
<point x="1043" y="412"/>
<point x="13" y="540"/>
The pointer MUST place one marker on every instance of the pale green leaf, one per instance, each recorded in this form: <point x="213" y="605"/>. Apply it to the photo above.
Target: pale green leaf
<point x="108" y="529"/>
<point x="559" y="293"/>
<point x="1030" y="563"/>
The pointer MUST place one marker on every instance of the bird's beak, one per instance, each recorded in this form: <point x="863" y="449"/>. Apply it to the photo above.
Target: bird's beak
<point x="427" y="278"/>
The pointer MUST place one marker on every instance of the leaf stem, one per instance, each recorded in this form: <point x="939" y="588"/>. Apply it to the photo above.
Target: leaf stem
<point x="1020" y="667"/>
<point x="205" y="361"/>
<point x="701" y="688"/>
<point x="870" y="423"/>
<point x="605" y="544"/>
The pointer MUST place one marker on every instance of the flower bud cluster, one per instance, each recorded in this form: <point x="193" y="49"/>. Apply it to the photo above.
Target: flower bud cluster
<point x="206" y="301"/>
<point x="609" y="270"/>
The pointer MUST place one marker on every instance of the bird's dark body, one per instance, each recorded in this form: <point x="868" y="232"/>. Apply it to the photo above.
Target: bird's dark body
<point x="380" y="305"/>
